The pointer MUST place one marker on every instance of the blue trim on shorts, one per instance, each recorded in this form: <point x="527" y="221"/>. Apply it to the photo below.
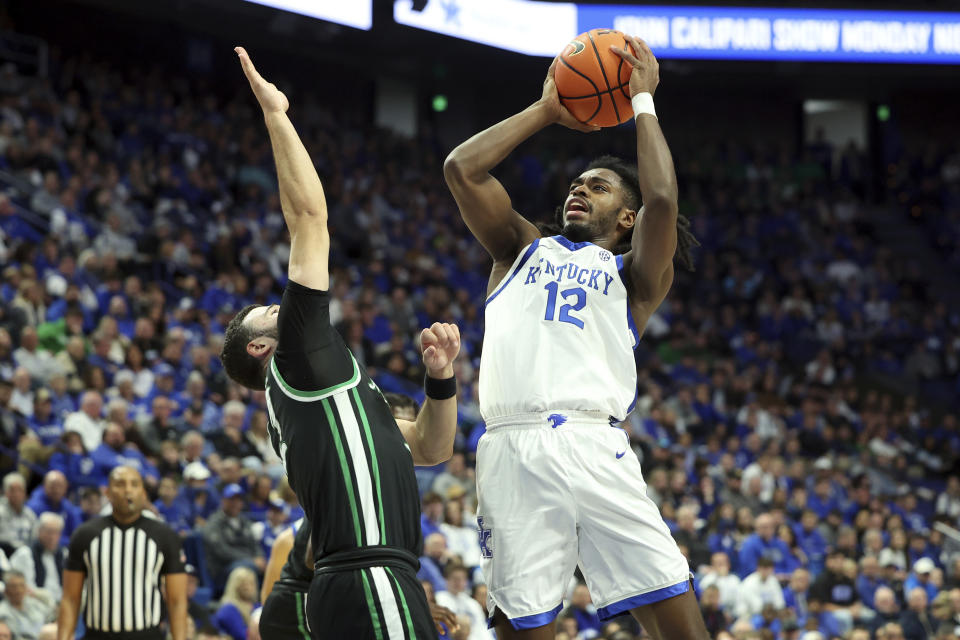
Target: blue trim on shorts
<point x="531" y="622"/>
<point x="523" y="261"/>
<point x="615" y="609"/>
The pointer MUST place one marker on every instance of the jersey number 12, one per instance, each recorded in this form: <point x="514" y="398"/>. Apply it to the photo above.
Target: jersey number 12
<point x="565" y="316"/>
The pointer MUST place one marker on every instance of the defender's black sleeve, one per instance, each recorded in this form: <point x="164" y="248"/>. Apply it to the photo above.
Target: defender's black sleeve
<point x="310" y="354"/>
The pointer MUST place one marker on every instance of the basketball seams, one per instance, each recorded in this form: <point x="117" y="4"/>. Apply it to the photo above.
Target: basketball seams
<point x="576" y="95"/>
<point x="621" y="87"/>
<point x="603" y="72"/>
<point x="598" y="95"/>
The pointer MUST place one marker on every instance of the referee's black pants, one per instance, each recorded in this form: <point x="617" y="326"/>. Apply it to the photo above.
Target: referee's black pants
<point x="382" y="601"/>
<point x="284" y="616"/>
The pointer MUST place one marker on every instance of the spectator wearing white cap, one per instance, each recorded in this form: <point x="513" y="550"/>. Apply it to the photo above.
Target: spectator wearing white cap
<point x="196" y="493"/>
<point x="921" y="577"/>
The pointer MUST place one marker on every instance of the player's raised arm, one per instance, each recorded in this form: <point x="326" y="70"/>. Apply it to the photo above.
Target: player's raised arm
<point x="654" y="240"/>
<point x="301" y="194"/>
<point x="431" y="437"/>
<point x="484" y="203"/>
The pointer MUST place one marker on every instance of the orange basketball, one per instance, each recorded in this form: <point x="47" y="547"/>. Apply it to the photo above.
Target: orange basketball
<point x="594" y="82"/>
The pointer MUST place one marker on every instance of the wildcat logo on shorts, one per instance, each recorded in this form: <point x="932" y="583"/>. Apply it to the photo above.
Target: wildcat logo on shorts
<point x="486" y="541"/>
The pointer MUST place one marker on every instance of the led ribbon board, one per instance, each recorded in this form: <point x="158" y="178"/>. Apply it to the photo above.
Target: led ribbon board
<point x="785" y="34"/>
<point x="353" y="13"/>
<point x="733" y="33"/>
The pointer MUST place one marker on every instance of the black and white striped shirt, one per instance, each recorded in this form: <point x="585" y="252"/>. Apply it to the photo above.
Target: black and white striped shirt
<point x="123" y="565"/>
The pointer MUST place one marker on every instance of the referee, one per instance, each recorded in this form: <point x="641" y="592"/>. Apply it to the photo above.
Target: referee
<point x="120" y="558"/>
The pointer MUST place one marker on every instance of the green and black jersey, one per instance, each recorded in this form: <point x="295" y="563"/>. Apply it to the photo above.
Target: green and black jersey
<point x="344" y="454"/>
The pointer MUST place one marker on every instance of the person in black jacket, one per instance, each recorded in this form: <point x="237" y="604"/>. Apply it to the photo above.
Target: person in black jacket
<point x="916" y="621"/>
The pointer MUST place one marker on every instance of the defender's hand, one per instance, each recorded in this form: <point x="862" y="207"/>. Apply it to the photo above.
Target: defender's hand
<point x="550" y="100"/>
<point x="270" y="98"/>
<point x="444" y="615"/>
<point x="646" y="70"/>
<point x="440" y="345"/>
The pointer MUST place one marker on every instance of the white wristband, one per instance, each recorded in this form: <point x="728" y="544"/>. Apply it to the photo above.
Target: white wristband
<point x="643" y="103"/>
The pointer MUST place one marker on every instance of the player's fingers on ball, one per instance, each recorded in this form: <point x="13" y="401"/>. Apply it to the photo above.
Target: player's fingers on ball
<point x="626" y="55"/>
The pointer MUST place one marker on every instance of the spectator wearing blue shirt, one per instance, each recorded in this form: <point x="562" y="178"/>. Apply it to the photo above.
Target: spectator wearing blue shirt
<point x="91" y="503"/>
<point x="259" y="502"/>
<point x="763" y="544"/>
<point x="796" y="558"/>
<point x="583" y="611"/>
<point x="47" y="426"/>
<point x="433" y="560"/>
<point x="869" y="580"/>
<point x="173" y="509"/>
<point x="907" y="510"/>
<point x="51" y="497"/>
<point x="114" y="452"/>
<point x="267" y="530"/>
<point x="195" y="396"/>
<point x="810" y="540"/>
<point x="822" y="501"/>
<point x="432" y="514"/>
<point x="75" y="463"/>
<point x="920" y="577"/>
<point x="795" y="595"/>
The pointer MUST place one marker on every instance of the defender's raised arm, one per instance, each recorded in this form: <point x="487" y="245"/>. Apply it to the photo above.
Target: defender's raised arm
<point x="301" y="194"/>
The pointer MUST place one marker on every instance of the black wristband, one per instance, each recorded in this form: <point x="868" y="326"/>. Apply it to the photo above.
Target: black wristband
<point x="440" y="389"/>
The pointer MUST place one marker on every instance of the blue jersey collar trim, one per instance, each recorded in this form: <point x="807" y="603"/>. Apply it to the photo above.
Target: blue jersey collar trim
<point x="573" y="246"/>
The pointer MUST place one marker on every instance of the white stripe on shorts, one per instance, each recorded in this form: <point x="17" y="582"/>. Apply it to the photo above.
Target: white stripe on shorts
<point x="391" y="612"/>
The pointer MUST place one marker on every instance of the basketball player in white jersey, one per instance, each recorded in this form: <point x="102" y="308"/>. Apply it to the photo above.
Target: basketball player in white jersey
<point x="558" y="483"/>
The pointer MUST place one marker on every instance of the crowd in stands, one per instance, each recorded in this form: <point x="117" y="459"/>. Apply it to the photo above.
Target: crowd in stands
<point x="139" y="211"/>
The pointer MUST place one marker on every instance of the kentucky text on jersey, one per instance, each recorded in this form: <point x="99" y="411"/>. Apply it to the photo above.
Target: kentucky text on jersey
<point x="570" y="271"/>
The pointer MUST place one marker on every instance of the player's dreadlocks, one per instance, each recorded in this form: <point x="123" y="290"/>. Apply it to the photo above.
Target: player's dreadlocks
<point x="686" y="241"/>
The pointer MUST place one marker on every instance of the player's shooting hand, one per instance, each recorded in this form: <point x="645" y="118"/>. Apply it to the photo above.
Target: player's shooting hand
<point x="440" y="345"/>
<point x="270" y="98"/>
<point x="444" y="615"/>
<point x="551" y="101"/>
<point x="646" y="70"/>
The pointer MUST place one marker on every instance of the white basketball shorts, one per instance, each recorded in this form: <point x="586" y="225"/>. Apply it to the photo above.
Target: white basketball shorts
<point x="563" y="488"/>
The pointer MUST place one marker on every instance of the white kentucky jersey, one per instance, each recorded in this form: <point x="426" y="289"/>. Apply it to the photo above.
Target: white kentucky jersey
<point x="559" y="334"/>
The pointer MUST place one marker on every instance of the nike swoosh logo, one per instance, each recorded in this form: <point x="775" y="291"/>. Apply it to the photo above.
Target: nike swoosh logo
<point x="621" y="454"/>
<point x="577" y="47"/>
